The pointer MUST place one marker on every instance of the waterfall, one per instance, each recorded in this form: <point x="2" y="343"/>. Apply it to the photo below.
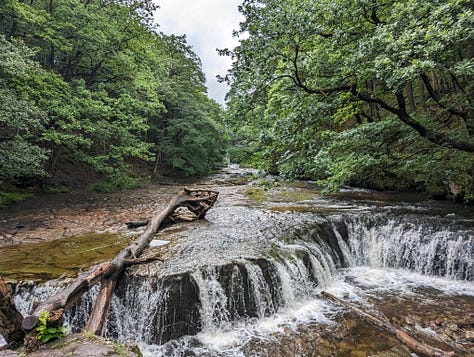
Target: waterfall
<point x="28" y="294"/>
<point x="211" y="298"/>
<point x="148" y="305"/>
<point x="219" y="295"/>
<point x="214" y="310"/>
<point x="419" y="246"/>
<point x="262" y="297"/>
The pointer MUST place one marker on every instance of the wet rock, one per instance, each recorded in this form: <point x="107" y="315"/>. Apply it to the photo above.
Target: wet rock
<point x="451" y="327"/>
<point x="396" y="351"/>
<point x="79" y="346"/>
<point x="8" y="353"/>
<point x="173" y="315"/>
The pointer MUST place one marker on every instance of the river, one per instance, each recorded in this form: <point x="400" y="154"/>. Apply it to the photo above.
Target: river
<point x="247" y="280"/>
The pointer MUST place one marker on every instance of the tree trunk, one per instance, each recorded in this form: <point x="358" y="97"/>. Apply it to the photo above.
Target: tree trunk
<point x="410" y="97"/>
<point x="413" y="344"/>
<point x="423" y="95"/>
<point x="10" y="318"/>
<point x="197" y="201"/>
<point x="98" y="316"/>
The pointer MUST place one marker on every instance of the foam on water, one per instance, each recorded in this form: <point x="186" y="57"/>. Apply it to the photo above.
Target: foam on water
<point x="230" y="342"/>
<point x="301" y="304"/>
<point x="403" y="281"/>
<point x="350" y="256"/>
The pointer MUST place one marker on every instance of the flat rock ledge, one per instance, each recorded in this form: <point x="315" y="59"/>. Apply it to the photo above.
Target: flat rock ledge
<point x="79" y="345"/>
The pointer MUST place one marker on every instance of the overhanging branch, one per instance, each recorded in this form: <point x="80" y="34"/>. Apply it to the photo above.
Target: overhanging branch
<point x="437" y="98"/>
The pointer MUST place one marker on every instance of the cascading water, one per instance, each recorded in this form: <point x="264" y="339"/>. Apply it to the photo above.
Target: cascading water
<point x="411" y="245"/>
<point x="214" y="311"/>
<point x="312" y="260"/>
<point x="218" y="309"/>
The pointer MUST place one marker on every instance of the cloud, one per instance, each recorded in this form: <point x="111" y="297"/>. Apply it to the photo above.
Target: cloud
<point x="208" y="25"/>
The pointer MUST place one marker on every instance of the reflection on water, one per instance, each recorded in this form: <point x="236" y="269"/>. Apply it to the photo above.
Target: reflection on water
<point x="66" y="257"/>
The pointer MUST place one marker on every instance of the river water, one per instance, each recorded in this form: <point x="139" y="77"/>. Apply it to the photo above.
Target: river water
<point x="247" y="280"/>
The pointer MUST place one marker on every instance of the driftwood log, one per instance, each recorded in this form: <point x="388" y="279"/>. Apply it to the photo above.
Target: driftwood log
<point x="198" y="202"/>
<point x="412" y="343"/>
<point x="10" y="317"/>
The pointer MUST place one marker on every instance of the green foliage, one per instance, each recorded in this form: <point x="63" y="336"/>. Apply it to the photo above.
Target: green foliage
<point x="45" y="333"/>
<point x="117" y="182"/>
<point x="92" y="82"/>
<point x="21" y="120"/>
<point x="8" y="198"/>
<point x="190" y="137"/>
<point x="370" y="93"/>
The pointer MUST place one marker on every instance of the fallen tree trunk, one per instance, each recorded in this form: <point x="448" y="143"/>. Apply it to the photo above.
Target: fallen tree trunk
<point x="98" y="316"/>
<point x="136" y="224"/>
<point x="198" y="203"/>
<point x="413" y="344"/>
<point x="10" y="317"/>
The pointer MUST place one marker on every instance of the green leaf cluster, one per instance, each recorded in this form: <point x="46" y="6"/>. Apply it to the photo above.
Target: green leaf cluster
<point x="91" y="84"/>
<point x="372" y="93"/>
<point x="45" y="333"/>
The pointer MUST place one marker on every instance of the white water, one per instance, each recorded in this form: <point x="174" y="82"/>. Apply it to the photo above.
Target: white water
<point x="214" y="312"/>
<point x="411" y="246"/>
<point x="376" y="258"/>
<point x="127" y="323"/>
<point x="261" y="290"/>
<point x="355" y="284"/>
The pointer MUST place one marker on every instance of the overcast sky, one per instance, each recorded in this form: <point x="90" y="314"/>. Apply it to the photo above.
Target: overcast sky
<point x="208" y="25"/>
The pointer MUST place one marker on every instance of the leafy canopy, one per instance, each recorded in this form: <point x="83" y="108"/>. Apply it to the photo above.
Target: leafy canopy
<point x="91" y="86"/>
<point x="374" y="93"/>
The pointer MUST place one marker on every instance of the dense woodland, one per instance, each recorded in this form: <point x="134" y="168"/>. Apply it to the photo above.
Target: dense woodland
<point x="91" y="91"/>
<point x="371" y="93"/>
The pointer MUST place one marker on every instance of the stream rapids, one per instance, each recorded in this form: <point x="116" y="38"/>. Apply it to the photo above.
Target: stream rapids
<point x="247" y="280"/>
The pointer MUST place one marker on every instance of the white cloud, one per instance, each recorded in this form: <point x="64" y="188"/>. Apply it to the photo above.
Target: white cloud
<point x="208" y="25"/>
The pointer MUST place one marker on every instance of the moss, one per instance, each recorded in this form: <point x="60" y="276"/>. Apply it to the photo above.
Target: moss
<point x="121" y="350"/>
<point x="257" y="194"/>
<point x="57" y="189"/>
<point x="89" y="335"/>
<point x="8" y="198"/>
<point x="282" y="255"/>
<point x="292" y="209"/>
<point x="48" y="260"/>
<point x="299" y="195"/>
<point x="59" y="344"/>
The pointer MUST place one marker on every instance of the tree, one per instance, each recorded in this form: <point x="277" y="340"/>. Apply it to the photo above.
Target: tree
<point x="361" y="89"/>
<point x="21" y="120"/>
<point x="189" y="137"/>
<point x="107" y="92"/>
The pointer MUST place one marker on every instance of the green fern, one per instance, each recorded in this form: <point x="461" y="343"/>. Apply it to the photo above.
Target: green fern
<point x="46" y="333"/>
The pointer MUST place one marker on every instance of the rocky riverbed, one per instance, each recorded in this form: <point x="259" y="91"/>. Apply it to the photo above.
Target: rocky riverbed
<point x="382" y="253"/>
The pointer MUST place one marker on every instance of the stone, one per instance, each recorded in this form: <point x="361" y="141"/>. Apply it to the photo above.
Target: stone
<point x="470" y="336"/>
<point x="358" y="353"/>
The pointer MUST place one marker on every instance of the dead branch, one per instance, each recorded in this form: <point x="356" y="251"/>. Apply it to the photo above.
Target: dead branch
<point x="197" y="201"/>
<point x="10" y="317"/>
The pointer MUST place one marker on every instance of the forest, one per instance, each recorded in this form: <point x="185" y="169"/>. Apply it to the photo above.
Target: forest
<point x="92" y="93"/>
<point x="367" y="93"/>
<point x="374" y="94"/>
